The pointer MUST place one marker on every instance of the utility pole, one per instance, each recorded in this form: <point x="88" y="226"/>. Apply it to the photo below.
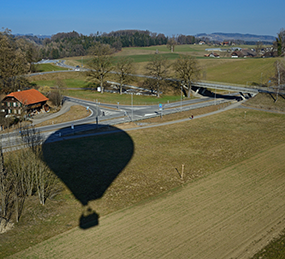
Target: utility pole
<point x="181" y="98"/>
<point x="278" y="87"/>
<point x="132" y="105"/>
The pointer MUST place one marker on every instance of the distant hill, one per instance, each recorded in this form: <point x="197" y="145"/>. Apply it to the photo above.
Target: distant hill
<point x="219" y="36"/>
<point x="40" y="36"/>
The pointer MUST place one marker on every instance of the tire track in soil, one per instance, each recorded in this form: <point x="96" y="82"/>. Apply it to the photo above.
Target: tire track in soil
<point x="229" y="214"/>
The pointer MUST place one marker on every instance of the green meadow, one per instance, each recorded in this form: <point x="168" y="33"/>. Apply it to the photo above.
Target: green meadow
<point x="49" y="67"/>
<point x="244" y="71"/>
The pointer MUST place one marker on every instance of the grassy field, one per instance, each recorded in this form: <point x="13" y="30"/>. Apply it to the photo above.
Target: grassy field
<point x="236" y="71"/>
<point x="204" y="146"/>
<point x="49" y="67"/>
<point x="122" y="99"/>
<point x="229" y="214"/>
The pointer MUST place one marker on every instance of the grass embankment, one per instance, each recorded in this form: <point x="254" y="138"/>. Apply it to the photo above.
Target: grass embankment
<point x="204" y="146"/>
<point x="266" y="101"/>
<point x="274" y="250"/>
<point x="76" y="112"/>
<point x="124" y="99"/>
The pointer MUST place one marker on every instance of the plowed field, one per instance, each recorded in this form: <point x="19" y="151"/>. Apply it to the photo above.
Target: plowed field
<point x="229" y="214"/>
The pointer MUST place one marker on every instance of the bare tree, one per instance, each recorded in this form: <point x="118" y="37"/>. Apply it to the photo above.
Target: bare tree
<point x="101" y="64"/>
<point x="279" y="78"/>
<point x="171" y="43"/>
<point x="124" y="69"/>
<point x="187" y="70"/>
<point x="3" y="185"/>
<point x="158" y="68"/>
<point x="259" y="47"/>
<point x="44" y="179"/>
<point x="55" y="96"/>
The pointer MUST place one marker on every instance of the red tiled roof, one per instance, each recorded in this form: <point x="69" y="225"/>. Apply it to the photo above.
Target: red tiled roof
<point x="28" y="97"/>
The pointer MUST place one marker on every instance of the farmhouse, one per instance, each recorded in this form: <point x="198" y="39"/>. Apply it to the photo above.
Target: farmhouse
<point x="243" y="53"/>
<point x="212" y="55"/>
<point x="30" y="101"/>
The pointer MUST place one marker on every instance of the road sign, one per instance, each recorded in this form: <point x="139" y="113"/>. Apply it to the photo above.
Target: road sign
<point x="160" y="106"/>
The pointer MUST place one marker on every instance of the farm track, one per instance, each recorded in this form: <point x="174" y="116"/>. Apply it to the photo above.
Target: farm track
<point x="230" y="214"/>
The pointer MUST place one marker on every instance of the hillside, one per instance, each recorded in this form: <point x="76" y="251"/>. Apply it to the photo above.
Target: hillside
<point x="219" y="36"/>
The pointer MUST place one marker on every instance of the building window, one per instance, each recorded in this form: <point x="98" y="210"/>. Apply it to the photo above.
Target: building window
<point x="19" y="111"/>
<point x="9" y="110"/>
<point x="15" y="104"/>
<point x="15" y="111"/>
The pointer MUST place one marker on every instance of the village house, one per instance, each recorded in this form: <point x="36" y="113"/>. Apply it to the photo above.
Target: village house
<point x="29" y="101"/>
<point x="212" y="55"/>
<point x="244" y="53"/>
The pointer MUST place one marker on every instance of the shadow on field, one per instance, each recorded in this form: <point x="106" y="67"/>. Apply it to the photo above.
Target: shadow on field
<point x="88" y="165"/>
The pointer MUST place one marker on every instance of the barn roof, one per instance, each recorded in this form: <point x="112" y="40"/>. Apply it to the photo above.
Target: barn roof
<point x="28" y="97"/>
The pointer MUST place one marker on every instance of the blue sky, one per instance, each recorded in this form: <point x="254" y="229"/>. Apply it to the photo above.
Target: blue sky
<point x="161" y="16"/>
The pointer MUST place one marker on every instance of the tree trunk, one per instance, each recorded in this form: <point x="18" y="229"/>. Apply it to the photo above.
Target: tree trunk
<point x="278" y="87"/>
<point x="101" y="84"/>
<point x="2" y="184"/>
<point x="157" y="89"/>
<point x="16" y="203"/>
<point x="121" y="90"/>
<point x="189" y="89"/>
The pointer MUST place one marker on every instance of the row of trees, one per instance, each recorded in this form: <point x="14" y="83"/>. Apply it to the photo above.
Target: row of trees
<point x="186" y="68"/>
<point x="23" y="173"/>
<point x="75" y="44"/>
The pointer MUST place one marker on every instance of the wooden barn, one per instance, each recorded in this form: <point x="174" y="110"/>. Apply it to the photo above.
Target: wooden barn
<point x="29" y="101"/>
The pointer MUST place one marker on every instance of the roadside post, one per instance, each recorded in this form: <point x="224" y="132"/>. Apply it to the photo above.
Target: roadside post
<point x="160" y="108"/>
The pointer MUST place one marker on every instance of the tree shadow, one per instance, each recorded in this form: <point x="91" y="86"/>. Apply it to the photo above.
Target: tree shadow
<point x="88" y="165"/>
<point x="271" y="95"/>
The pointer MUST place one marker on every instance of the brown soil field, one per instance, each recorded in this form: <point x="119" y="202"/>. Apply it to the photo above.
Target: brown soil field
<point x="232" y="213"/>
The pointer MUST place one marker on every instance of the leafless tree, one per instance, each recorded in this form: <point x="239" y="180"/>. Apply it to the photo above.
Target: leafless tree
<point x="55" y="96"/>
<point x="124" y="69"/>
<point x="171" y="43"/>
<point x="259" y="47"/>
<point x="279" y="78"/>
<point x="158" y="68"/>
<point x="101" y="64"/>
<point x="36" y="170"/>
<point x="187" y="70"/>
<point x="3" y="185"/>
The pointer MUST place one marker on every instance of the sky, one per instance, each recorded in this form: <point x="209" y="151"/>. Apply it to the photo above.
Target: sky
<point x="161" y="16"/>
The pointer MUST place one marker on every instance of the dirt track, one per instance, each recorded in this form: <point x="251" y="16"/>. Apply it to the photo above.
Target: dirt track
<point x="230" y="214"/>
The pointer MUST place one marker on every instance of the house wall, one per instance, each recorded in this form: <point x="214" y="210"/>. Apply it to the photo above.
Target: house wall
<point x="11" y="106"/>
